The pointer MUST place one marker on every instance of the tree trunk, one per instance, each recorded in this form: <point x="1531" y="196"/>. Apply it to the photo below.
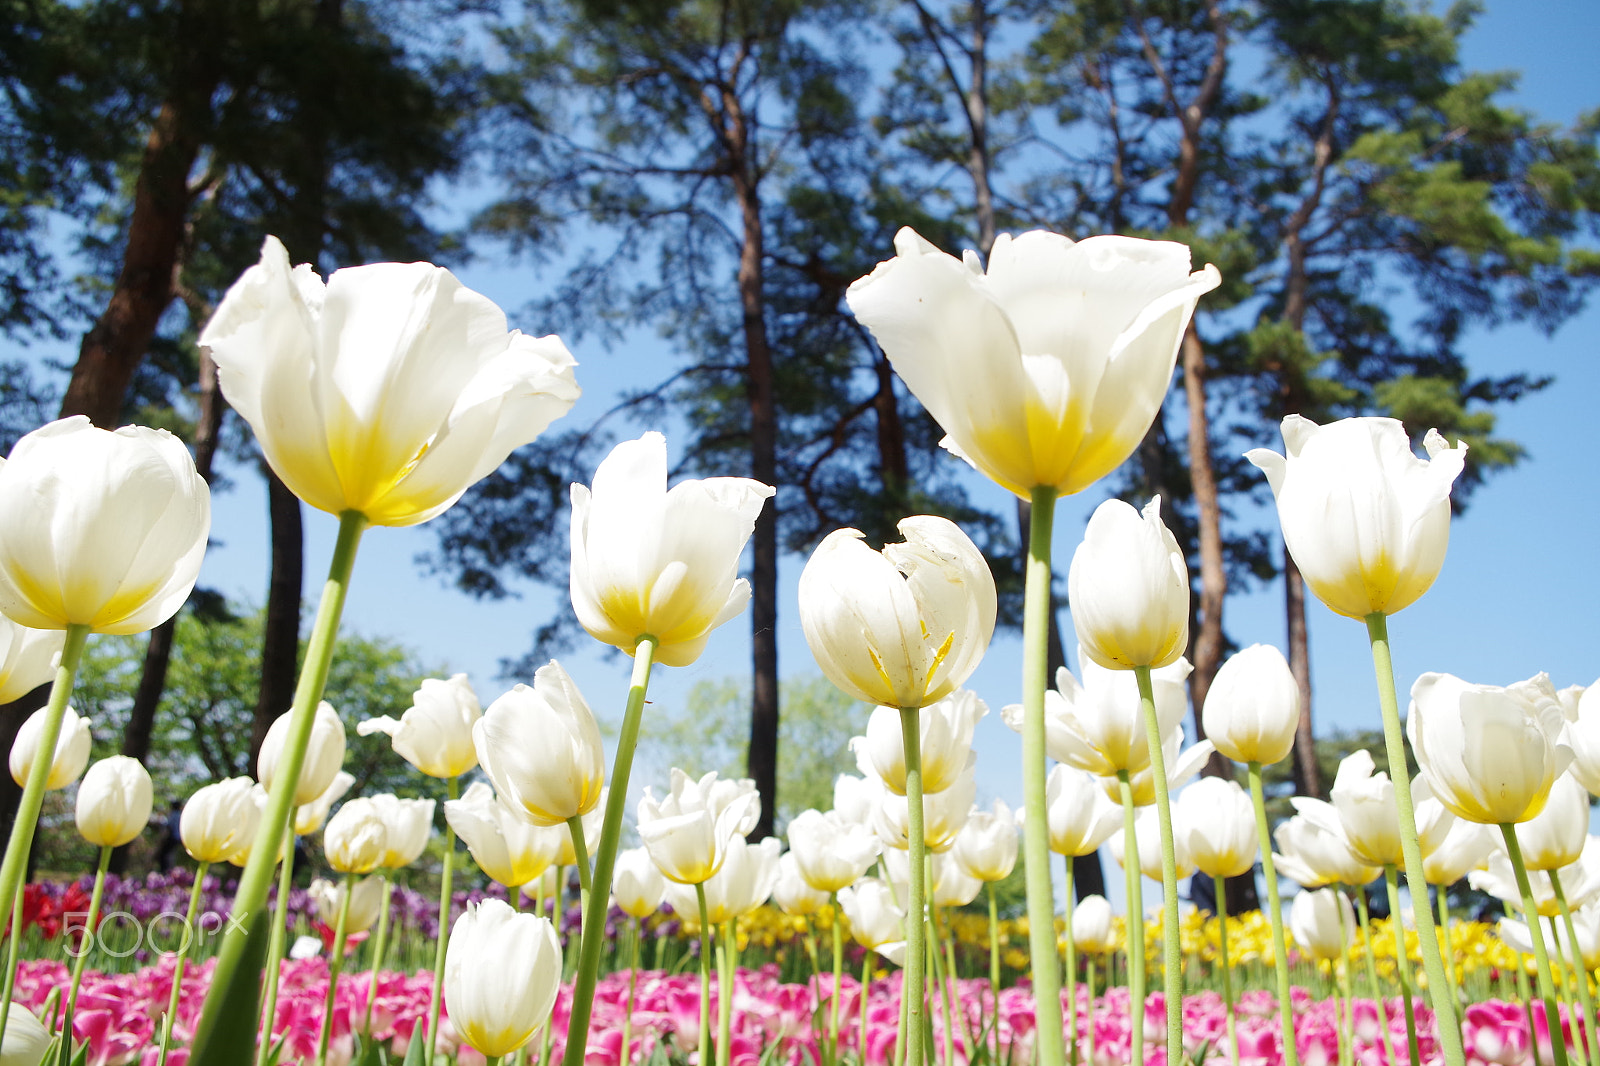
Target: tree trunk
<point x="1307" y="775"/>
<point x="280" y="638"/>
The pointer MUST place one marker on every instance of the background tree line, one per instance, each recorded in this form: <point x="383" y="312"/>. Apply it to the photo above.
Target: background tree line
<point x="719" y="171"/>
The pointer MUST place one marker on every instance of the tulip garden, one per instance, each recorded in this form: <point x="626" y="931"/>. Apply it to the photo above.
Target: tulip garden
<point x="869" y="933"/>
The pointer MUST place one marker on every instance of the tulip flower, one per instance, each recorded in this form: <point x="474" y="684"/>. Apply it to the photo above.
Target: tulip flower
<point x="435" y="732"/>
<point x="1580" y="881"/>
<point x="1314" y="850"/>
<point x="508" y="848"/>
<point x="1252" y="708"/>
<point x="903" y="627"/>
<point x="1096" y="725"/>
<point x="26" y="1038"/>
<point x="637" y="886"/>
<point x="219" y="819"/>
<point x="1466" y="847"/>
<point x="502" y="973"/>
<point x="1091" y="926"/>
<point x="876" y="918"/>
<point x="100" y="529"/>
<point x="793" y="893"/>
<point x="1491" y="754"/>
<point x="1148" y="836"/>
<point x="1365" y="520"/>
<point x="1323" y="923"/>
<point x="389" y="390"/>
<point x="1219" y="827"/>
<point x="1365" y="803"/>
<point x="986" y="846"/>
<point x="1182" y="767"/>
<point x="945" y="744"/>
<point x="688" y="832"/>
<point x="408" y="824"/>
<point x="829" y="851"/>
<point x="324" y="753"/>
<point x="943" y="815"/>
<point x="357" y="838"/>
<point x="309" y="817"/>
<point x="71" y="751"/>
<point x="647" y="560"/>
<point x="540" y="747"/>
<point x="114" y="801"/>
<point x="28" y="658"/>
<point x="743" y="883"/>
<point x="1081" y="817"/>
<point x="1555" y="837"/>
<point x="1129" y="589"/>
<point x="953" y="884"/>
<point x="854" y="797"/>
<point x="1048" y="369"/>
<point x="367" y="898"/>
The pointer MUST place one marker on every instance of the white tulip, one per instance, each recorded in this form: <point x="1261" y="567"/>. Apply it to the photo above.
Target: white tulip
<point x="541" y="749"/>
<point x="647" y="560"/>
<point x="1365" y="520"/>
<point x="1091" y="926"/>
<point x="1147" y="835"/>
<point x="1080" y="815"/>
<point x="409" y="824"/>
<point x="854" y="797"/>
<point x="114" y="801"/>
<point x="502" y="971"/>
<point x="986" y="847"/>
<point x="636" y="885"/>
<point x="389" y="391"/>
<point x="943" y="815"/>
<point x="1097" y="725"/>
<point x="1323" y="923"/>
<point x="1252" y="708"/>
<point x="1556" y="836"/>
<point x="1182" y="767"/>
<point x="27" y="1040"/>
<point x="953" y="884"/>
<point x="28" y="658"/>
<point x="946" y="742"/>
<point x="829" y="851"/>
<point x="324" y="753"/>
<point x="357" y="838"/>
<point x="219" y="819"/>
<point x="792" y="892"/>
<point x="1129" y="589"/>
<point x="508" y="848"/>
<point x="1581" y="707"/>
<point x="71" y="755"/>
<point x="100" y="529"/>
<point x="743" y="883"/>
<point x="688" y="832"/>
<point x="367" y="897"/>
<point x="1314" y="851"/>
<point x="1365" y="802"/>
<point x="435" y="732"/>
<point x="1047" y="370"/>
<point x="876" y="919"/>
<point x="1218" y="823"/>
<point x="1466" y="847"/>
<point x="309" y="817"/>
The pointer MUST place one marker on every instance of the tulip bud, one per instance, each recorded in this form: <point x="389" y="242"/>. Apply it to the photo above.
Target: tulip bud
<point x="986" y="847"/>
<point x="903" y="627"/>
<point x="28" y="658"/>
<point x="1129" y="589"/>
<point x="1364" y="519"/>
<point x="743" y="883"/>
<point x="114" y="801"/>
<point x="1466" y="847"/>
<point x="1252" y="708"/>
<point x="324" y="753"/>
<point x="943" y="815"/>
<point x="688" y="832"/>
<point x="1314" y="851"/>
<point x="1147" y="835"/>
<point x="829" y="851"/>
<point x="1556" y="835"/>
<point x="1323" y="923"/>
<point x="502" y="971"/>
<point x="876" y="919"/>
<point x="309" y="818"/>
<point x="1219" y="825"/>
<point x="435" y="733"/>
<point x="240" y="856"/>
<point x="636" y="885"/>
<point x="945" y="747"/>
<point x="649" y="561"/>
<point x="1080" y="815"/>
<point x="508" y="848"/>
<point x="792" y="892"/>
<point x="219" y="819"/>
<point x="408" y="824"/>
<point x="1091" y="926"/>
<point x="101" y="529"/>
<point x="71" y="754"/>
<point x="1490" y="754"/>
<point x="541" y="749"/>
<point x="1366" y="806"/>
<point x="356" y="838"/>
<point x="366" y="902"/>
<point x="389" y="391"/>
<point x="953" y="885"/>
<point x="27" y="1040"/>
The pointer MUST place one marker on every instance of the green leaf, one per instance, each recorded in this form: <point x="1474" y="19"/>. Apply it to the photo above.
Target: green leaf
<point x="232" y="1040"/>
<point x="416" y="1053"/>
<point x="369" y="1052"/>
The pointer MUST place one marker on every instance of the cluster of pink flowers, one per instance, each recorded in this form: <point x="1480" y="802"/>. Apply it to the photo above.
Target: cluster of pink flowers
<point x="119" y="1018"/>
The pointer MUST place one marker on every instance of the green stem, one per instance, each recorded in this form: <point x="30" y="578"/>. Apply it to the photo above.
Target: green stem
<point x="1372" y="971"/>
<point x="941" y="981"/>
<point x="335" y="964"/>
<point x="177" y="967"/>
<point x="633" y="982"/>
<point x="257" y="876"/>
<point x="446" y="876"/>
<point x="1523" y="994"/>
<point x="491" y="1060"/>
<point x="1050" y="1050"/>
<point x="705" y="975"/>
<point x="994" y="956"/>
<point x="1280" y="947"/>
<point x="580" y="852"/>
<point x="275" y="949"/>
<point x="1089" y="976"/>
<point x="866" y="983"/>
<point x="952" y="976"/>
<point x="1134" y="906"/>
<point x="1566" y="971"/>
<point x="1072" y="974"/>
<point x="1447" y="945"/>
<point x="1342" y="969"/>
<point x="1172" y="969"/>
<point x="1402" y="959"/>
<point x="379" y="944"/>
<point x="911" y="989"/>
<point x="725" y="964"/>
<point x="1547" y="984"/>
<point x="12" y="950"/>
<point x="82" y="960"/>
<point x="1449" y="1026"/>
<point x="1580" y="974"/>
<point x="594" y="919"/>
<point x="838" y="975"/>
<point x="1221" y="887"/>
<point x="15" y="864"/>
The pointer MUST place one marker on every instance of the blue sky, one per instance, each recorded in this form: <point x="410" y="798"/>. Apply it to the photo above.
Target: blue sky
<point x="1518" y="594"/>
